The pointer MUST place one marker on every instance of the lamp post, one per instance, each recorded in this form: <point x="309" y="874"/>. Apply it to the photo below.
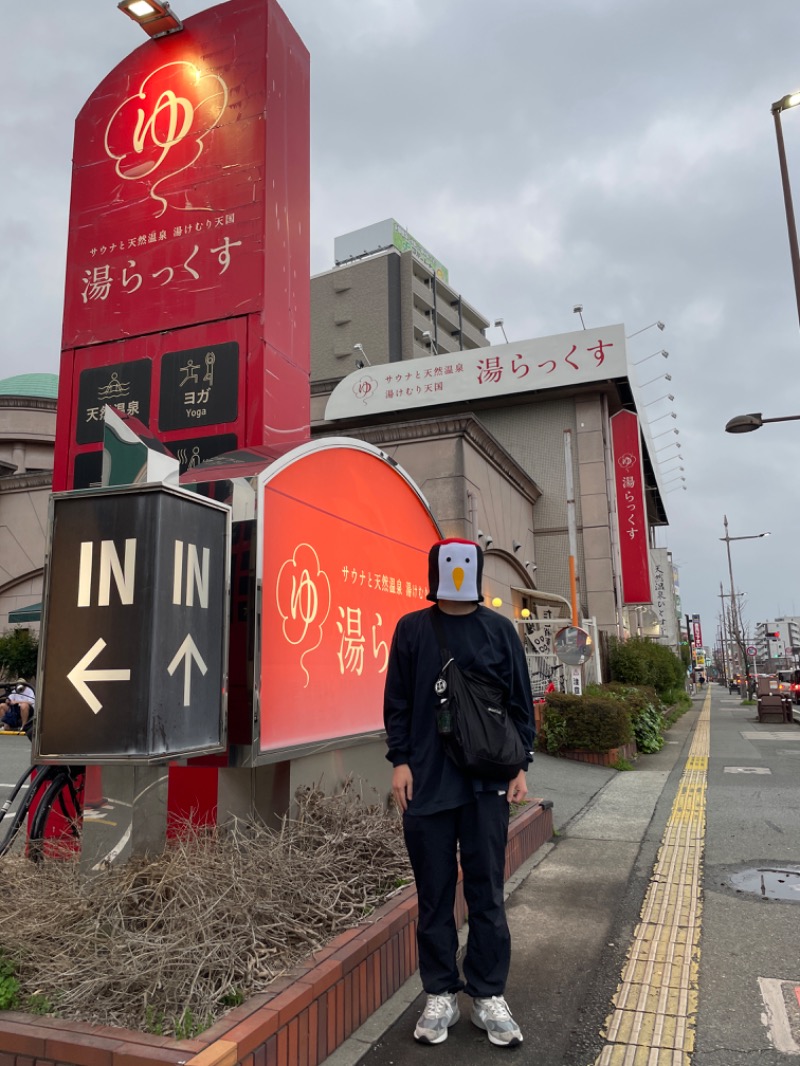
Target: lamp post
<point x="747" y="423"/>
<point x="667" y="377"/>
<point x="660" y="325"/>
<point x="672" y="444"/>
<point x="792" y="100"/>
<point x="663" y="352"/>
<point x="667" y="414"/>
<point x="666" y="396"/>
<point x="737" y="634"/>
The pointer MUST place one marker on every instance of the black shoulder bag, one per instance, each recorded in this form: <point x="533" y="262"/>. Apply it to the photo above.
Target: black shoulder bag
<point x="473" y="722"/>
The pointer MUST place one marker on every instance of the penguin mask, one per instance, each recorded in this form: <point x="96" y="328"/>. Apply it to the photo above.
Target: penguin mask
<point x="455" y="571"/>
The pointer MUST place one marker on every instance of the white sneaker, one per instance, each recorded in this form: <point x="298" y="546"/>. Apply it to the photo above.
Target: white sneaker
<point x="440" y="1013"/>
<point x="493" y="1015"/>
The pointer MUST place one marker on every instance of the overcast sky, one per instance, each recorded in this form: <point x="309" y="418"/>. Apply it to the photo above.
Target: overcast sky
<point x="614" y="153"/>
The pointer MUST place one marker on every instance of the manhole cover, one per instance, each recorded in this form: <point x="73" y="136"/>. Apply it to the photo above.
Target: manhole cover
<point x="769" y="882"/>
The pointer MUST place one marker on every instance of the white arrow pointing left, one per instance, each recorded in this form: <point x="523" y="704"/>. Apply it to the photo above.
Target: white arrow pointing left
<point x="80" y="674"/>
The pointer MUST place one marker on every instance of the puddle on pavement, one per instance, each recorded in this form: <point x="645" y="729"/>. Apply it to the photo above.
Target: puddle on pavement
<point x="769" y="882"/>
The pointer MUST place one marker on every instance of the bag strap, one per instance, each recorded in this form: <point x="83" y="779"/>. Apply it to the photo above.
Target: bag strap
<point x="437" y="628"/>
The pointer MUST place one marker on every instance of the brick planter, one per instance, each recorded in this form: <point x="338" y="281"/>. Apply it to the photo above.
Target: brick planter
<point x="303" y="1017"/>
<point x="602" y="758"/>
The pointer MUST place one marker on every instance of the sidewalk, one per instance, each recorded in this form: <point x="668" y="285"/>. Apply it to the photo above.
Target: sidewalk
<point x="563" y="904"/>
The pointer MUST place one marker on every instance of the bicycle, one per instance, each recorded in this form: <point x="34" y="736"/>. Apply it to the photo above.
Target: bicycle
<point x="53" y="805"/>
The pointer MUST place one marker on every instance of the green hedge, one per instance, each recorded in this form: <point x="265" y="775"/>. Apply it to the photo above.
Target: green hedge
<point x="586" y="723"/>
<point x="19" y="651"/>
<point x="641" y="662"/>
<point x="645" y="708"/>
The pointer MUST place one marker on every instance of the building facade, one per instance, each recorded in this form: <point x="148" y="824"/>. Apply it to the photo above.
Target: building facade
<point x="521" y="518"/>
<point x="27" y="437"/>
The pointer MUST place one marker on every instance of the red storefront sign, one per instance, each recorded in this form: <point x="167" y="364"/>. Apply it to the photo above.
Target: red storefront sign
<point x="631" y="513"/>
<point x="697" y="632"/>
<point x="187" y="281"/>
<point x="344" y="541"/>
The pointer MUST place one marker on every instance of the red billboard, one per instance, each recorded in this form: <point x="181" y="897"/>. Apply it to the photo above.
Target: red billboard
<point x="343" y="550"/>
<point x="632" y="525"/>
<point x="187" y="279"/>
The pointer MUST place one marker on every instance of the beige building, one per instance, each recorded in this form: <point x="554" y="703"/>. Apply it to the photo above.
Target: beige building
<point x="27" y="436"/>
<point x="491" y="469"/>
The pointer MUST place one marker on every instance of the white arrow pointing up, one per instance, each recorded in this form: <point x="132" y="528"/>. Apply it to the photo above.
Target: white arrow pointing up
<point x="187" y="651"/>
<point x="80" y="674"/>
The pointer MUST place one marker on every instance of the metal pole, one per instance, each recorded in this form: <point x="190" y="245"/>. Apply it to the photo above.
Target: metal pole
<point x="734" y="613"/>
<point x="724" y="637"/>
<point x="787" y="199"/>
<point x="571" y="526"/>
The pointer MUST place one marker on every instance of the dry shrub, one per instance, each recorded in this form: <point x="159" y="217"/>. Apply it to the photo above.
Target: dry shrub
<point x="169" y="944"/>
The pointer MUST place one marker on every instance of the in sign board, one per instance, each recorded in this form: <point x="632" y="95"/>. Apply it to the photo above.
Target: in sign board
<point x="134" y="636"/>
<point x="344" y="537"/>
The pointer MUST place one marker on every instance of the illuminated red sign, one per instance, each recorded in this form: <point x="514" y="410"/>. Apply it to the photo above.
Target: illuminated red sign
<point x="631" y="511"/>
<point x="344" y="553"/>
<point x="190" y="208"/>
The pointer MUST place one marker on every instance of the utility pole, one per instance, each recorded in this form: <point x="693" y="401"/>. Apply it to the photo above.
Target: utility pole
<point x="724" y="638"/>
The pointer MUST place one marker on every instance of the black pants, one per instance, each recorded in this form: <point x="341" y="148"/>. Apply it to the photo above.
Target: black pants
<point x="481" y="830"/>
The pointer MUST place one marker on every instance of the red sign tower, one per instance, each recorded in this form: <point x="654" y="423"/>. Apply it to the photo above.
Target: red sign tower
<point x="187" y="281"/>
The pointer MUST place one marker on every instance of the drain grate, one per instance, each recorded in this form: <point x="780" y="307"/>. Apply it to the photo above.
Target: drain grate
<point x="769" y="882"/>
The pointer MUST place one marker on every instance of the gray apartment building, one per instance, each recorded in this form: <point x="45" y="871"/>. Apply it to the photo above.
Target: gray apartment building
<point x="391" y="297"/>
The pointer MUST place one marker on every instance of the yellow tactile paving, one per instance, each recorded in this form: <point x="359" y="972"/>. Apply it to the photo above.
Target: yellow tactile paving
<point x="655" y="1005"/>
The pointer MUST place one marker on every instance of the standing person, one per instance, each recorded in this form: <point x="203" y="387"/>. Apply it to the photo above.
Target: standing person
<point x="444" y="809"/>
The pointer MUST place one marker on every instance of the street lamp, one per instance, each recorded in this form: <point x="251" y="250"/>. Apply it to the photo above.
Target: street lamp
<point x="737" y="636"/>
<point x="747" y="423"/>
<point x="663" y="353"/>
<point x="666" y="396"/>
<point x="154" y="16"/>
<point x="667" y="377"/>
<point x="672" y="444"/>
<point x="663" y="461"/>
<point x="669" y="414"/>
<point x="499" y="322"/>
<point x="792" y="100"/>
<point x="657" y="435"/>
<point x="660" y="325"/>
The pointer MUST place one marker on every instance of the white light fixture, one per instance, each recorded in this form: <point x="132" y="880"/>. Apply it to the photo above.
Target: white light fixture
<point x="667" y="377"/>
<point x="428" y="338"/>
<point x="515" y="544"/>
<point x="663" y="353"/>
<point x="531" y="566"/>
<point x="668" y="414"/>
<point x="359" y="362"/>
<point x="660" y="325"/>
<point x="499" y="324"/>
<point x="578" y="310"/>
<point x="154" y="16"/>
<point x="666" y="396"/>
<point x="489" y="541"/>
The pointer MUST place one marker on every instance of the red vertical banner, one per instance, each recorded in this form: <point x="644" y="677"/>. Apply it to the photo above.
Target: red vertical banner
<point x="187" y="277"/>
<point x="697" y="631"/>
<point x="631" y="512"/>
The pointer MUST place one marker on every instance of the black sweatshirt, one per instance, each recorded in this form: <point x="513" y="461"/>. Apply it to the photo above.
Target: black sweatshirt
<point x="483" y="641"/>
